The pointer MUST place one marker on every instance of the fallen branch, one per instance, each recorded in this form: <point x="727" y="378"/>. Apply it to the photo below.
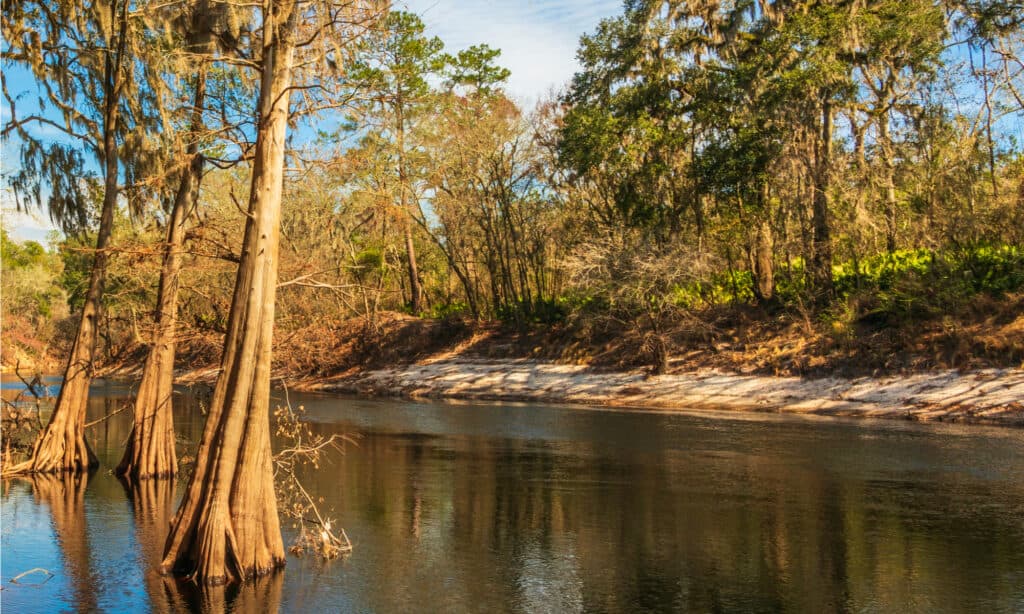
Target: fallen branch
<point x="108" y="416"/>
<point x="31" y="387"/>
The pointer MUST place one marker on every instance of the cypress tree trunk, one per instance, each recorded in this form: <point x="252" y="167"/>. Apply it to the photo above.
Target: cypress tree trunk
<point x="150" y="450"/>
<point x="62" y="446"/>
<point x="227" y="526"/>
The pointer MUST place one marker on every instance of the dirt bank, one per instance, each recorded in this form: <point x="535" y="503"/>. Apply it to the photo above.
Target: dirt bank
<point x="771" y="365"/>
<point x="990" y="396"/>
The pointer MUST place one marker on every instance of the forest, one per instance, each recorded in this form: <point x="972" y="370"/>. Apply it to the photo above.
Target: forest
<point x="299" y="187"/>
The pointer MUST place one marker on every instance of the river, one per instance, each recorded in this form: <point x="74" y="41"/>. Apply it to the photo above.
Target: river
<point x="503" y="507"/>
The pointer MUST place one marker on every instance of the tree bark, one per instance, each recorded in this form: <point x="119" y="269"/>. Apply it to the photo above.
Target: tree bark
<point x="888" y="165"/>
<point x="764" y="274"/>
<point x="415" y="290"/>
<point x="150" y="450"/>
<point x="227" y="527"/>
<point x="821" y="262"/>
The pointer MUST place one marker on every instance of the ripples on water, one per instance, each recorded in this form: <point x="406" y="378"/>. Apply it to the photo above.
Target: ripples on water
<point x="490" y="508"/>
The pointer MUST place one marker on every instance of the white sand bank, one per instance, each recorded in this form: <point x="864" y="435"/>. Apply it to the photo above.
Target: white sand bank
<point x="994" y="396"/>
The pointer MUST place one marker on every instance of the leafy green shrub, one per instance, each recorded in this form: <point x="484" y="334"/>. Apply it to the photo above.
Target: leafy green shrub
<point x="721" y="289"/>
<point x="550" y="311"/>
<point x="918" y="284"/>
<point x="992" y="268"/>
<point x="444" y="311"/>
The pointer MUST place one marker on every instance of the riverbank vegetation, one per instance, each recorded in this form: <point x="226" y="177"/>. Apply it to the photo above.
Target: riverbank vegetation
<point x="787" y="188"/>
<point x="769" y="189"/>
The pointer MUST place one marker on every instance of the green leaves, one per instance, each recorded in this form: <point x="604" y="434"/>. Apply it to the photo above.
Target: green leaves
<point x="475" y="68"/>
<point x="29" y="275"/>
<point x="396" y="61"/>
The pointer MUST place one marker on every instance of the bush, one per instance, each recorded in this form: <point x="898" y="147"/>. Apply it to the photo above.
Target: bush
<point x="444" y="311"/>
<point x="919" y="284"/>
<point x="890" y="288"/>
<point x="30" y="281"/>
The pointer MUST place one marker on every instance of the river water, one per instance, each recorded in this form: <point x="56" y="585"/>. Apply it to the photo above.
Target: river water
<point x="493" y="508"/>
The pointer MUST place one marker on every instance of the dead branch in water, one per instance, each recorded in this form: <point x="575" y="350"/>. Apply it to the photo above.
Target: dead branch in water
<point x="30" y="386"/>
<point x="123" y="407"/>
<point x="295" y="501"/>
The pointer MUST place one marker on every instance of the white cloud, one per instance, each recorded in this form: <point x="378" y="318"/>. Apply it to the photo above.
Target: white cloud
<point x="24" y="225"/>
<point x="537" y="38"/>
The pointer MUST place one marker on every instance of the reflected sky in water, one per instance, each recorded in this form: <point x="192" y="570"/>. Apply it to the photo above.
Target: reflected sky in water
<point x="468" y="507"/>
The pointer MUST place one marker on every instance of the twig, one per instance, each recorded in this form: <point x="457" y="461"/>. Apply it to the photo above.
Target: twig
<point x="31" y="387"/>
<point x="110" y="415"/>
<point x="325" y="542"/>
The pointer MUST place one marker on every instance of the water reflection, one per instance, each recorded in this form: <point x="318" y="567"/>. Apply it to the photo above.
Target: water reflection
<point x="259" y="595"/>
<point x="153" y="506"/>
<point x="712" y="516"/>
<point x="64" y="497"/>
<point x="504" y="508"/>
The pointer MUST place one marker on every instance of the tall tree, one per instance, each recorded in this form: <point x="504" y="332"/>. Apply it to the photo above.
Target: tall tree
<point x="897" y="47"/>
<point x="490" y="210"/>
<point x="394" y="68"/>
<point x="150" y="449"/>
<point x="84" y="61"/>
<point x="227" y="527"/>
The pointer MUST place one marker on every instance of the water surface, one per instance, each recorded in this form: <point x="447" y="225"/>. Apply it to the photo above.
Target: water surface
<point x="492" y="508"/>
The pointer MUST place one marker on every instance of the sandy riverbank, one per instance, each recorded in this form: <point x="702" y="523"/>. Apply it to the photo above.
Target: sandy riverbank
<point x="991" y="396"/>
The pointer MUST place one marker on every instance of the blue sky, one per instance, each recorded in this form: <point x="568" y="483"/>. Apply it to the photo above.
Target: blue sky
<point x="538" y="38"/>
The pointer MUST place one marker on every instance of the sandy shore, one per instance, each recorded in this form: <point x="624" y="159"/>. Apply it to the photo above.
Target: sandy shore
<point x="994" y="396"/>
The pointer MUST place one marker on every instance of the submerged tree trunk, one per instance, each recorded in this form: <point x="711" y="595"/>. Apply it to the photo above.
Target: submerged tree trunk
<point x="150" y="450"/>
<point x="62" y="445"/>
<point x="227" y="526"/>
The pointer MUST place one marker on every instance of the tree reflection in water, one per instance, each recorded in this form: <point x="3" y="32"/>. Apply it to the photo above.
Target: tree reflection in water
<point x="472" y="508"/>
<point x="64" y="496"/>
<point x="153" y="505"/>
<point x="262" y="594"/>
